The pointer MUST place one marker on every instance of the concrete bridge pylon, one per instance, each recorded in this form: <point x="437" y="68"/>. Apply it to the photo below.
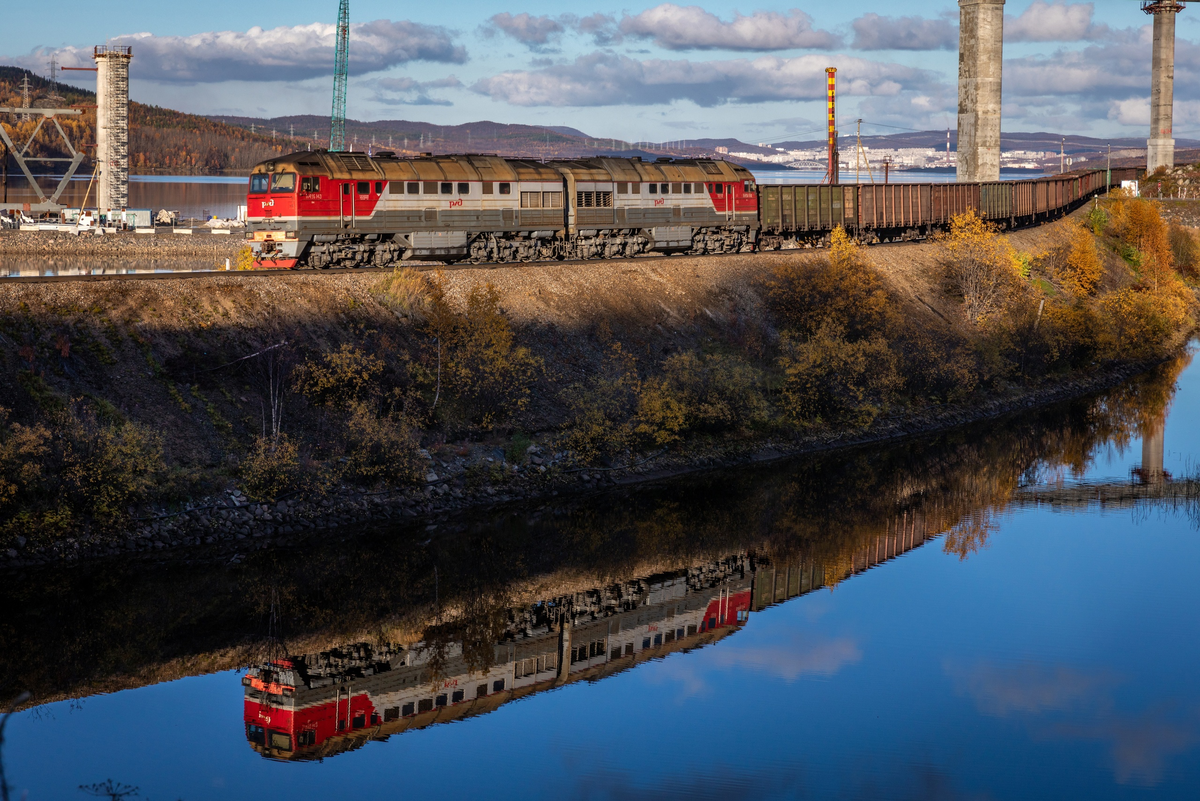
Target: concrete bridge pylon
<point x="980" y="67"/>
<point x="1160" y="147"/>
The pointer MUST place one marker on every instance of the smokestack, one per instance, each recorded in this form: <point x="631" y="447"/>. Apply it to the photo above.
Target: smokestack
<point x="831" y="96"/>
<point x="112" y="125"/>
<point x="1160" y="147"/>
<point x="980" y="66"/>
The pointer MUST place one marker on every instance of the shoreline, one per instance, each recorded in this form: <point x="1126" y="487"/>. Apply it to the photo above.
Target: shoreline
<point x="215" y="528"/>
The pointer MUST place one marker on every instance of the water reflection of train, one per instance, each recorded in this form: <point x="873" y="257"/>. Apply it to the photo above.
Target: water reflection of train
<point x="318" y="705"/>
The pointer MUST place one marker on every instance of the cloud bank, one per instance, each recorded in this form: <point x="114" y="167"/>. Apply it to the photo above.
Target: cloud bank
<point x="286" y="53"/>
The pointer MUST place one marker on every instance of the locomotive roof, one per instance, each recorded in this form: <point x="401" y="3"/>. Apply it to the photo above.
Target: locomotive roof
<point x="471" y="167"/>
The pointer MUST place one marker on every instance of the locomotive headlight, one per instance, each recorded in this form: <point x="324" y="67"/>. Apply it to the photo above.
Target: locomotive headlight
<point x="250" y="235"/>
<point x="290" y="235"/>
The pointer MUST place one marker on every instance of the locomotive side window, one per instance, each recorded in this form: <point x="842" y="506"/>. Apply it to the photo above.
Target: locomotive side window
<point x="441" y="700"/>
<point x="310" y="183"/>
<point x="458" y="696"/>
<point x="665" y="189"/>
<point x="447" y="188"/>
<point x="719" y="188"/>
<point x="379" y="187"/>
<point x="687" y="189"/>
<point x="623" y="188"/>
<point x="636" y="188"/>
<point x="364" y="187"/>
<point x="481" y="691"/>
<point x="345" y="189"/>
<point x="408" y="709"/>
<point x="425" y="705"/>
<point x="414" y="187"/>
<point x="283" y="182"/>
<point x="498" y="686"/>
<point x="487" y="187"/>
<point x="464" y="188"/>
<point x="654" y="189"/>
<point x="391" y="713"/>
<point x="430" y="187"/>
<point x="505" y="188"/>
<point x="677" y="189"/>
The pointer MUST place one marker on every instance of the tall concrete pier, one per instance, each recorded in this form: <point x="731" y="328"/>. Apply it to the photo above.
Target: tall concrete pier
<point x="980" y="66"/>
<point x="112" y="126"/>
<point x="1160" y="147"/>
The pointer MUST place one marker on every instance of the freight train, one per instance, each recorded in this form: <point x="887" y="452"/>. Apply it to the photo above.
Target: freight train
<point x="321" y="209"/>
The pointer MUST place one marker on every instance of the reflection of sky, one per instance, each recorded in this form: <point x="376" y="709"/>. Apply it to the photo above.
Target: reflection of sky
<point x="1059" y="661"/>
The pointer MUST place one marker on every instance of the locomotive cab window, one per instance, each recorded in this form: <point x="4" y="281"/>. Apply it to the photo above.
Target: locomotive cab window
<point x="719" y="188"/>
<point x="364" y="187"/>
<point x="379" y="187"/>
<point x="310" y="183"/>
<point x="258" y="184"/>
<point x="464" y="188"/>
<point x="505" y="188"/>
<point x="283" y="182"/>
<point x="748" y="186"/>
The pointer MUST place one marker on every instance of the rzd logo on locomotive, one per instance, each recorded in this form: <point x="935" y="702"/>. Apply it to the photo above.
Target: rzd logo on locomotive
<point x="455" y="203"/>
<point x="660" y="202"/>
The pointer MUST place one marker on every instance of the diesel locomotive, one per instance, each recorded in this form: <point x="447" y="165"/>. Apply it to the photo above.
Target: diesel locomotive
<point x="322" y="209"/>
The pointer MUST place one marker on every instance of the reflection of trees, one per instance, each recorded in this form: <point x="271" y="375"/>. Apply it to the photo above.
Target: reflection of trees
<point x="176" y="619"/>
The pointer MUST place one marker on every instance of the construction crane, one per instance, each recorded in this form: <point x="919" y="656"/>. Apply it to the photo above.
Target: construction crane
<point x="341" y="63"/>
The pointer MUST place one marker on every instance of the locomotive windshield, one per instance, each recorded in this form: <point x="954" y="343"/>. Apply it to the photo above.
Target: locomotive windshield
<point x="283" y="182"/>
<point x="258" y="184"/>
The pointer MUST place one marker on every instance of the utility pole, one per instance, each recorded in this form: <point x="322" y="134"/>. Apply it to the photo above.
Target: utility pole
<point x="857" y="149"/>
<point x="1108" y="170"/>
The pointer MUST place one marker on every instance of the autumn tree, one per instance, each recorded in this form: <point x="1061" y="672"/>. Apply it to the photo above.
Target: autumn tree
<point x="980" y="266"/>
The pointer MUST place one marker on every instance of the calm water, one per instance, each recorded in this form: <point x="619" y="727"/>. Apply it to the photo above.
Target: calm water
<point x="902" y="622"/>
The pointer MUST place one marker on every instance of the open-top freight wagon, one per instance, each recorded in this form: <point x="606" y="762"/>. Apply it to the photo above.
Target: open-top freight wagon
<point x="321" y="209"/>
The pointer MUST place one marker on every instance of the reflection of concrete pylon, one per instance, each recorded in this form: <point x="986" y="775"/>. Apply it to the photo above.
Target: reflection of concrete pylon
<point x="1151" y="469"/>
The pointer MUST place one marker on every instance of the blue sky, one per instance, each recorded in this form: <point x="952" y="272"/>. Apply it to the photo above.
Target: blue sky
<point x="654" y="71"/>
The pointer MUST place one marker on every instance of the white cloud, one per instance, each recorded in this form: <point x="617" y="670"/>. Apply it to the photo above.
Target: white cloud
<point x="536" y="32"/>
<point x="604" y="79"/>
<point x="692" y="28"/>
<point x="285" y="53"/>
<point x="410" y="92"/>
<point x="1058" y="22"/>
<point x="873" y="32"/>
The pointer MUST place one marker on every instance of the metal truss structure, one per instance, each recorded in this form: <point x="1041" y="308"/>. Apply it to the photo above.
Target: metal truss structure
<point x="20" y="154"/>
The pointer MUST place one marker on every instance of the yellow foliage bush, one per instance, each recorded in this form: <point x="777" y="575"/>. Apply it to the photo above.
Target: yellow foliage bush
<point x="244" y="260"/>
<point x="829" y="381"/>
<point x="1137" y="222"/>
<point x="339" y="378"/>
<point x="487" y="375"/>
<point x="717" y="391"/>
<point x="271" y="468"/>
<point x="1185" y="252"/>
<point x="86" y="473"/>
<point x="842" y="289"/>
<point x="381" y="448"/>
<point x="599" y="408"/>
<point x="980" y="266"/>
<point x="1080" y="272"/>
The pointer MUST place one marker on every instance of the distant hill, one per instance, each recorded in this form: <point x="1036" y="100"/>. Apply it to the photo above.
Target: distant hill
<point x="161" y="140"/>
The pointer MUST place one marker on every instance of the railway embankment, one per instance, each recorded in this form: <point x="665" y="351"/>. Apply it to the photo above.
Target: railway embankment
<point x="225" y="413"/>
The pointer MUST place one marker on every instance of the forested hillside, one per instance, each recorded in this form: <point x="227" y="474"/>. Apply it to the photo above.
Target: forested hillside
<point x="161" y="140"/>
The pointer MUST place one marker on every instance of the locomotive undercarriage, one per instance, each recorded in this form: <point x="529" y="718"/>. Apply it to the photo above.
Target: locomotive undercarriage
<point x="383" y="250"/>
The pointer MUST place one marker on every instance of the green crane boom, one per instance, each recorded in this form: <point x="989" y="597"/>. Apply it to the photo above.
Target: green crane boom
<point x="341" y="64"/>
